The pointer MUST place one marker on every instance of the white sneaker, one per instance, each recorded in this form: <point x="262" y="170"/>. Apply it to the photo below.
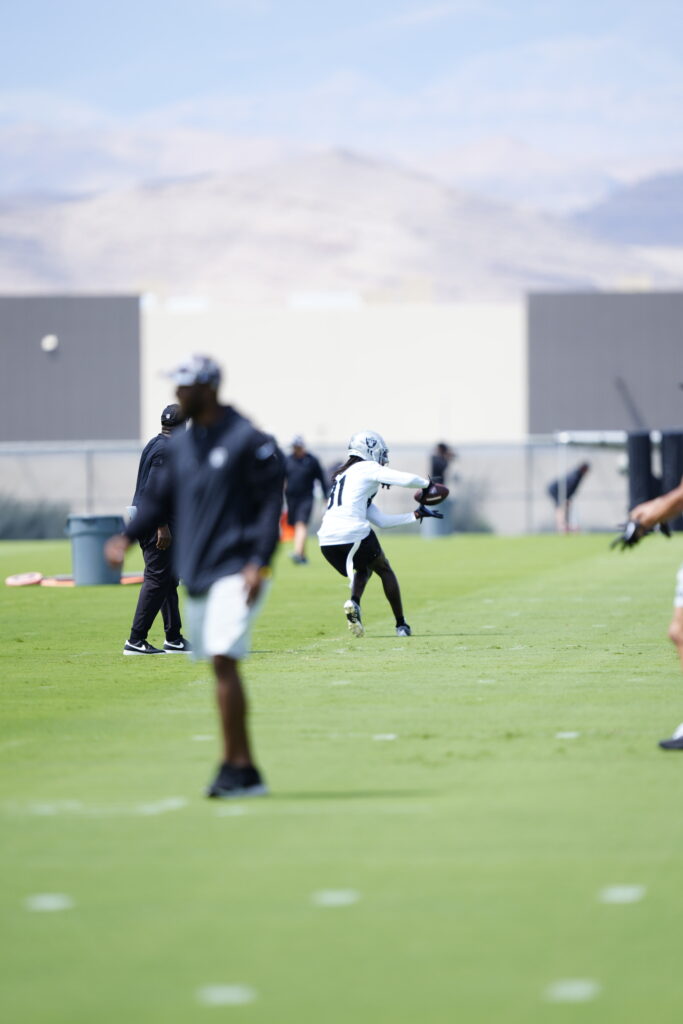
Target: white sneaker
<point x="352" y="612"/>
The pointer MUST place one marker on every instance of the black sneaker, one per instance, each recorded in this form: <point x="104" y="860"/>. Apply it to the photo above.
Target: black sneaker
<point x="237" y="780"/>
<point x="404" y="630"/>
<point x="675" y="743"/>
<point x="179" y="646"/>
<point x="352" y="612"/>
<point x="140" y="647"/>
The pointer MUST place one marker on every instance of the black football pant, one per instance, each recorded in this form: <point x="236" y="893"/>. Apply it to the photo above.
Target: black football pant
<point x="158" y="593"/>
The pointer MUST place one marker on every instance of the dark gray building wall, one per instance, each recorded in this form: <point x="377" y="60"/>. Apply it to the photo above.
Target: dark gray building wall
<point x="89" y="387"/>
<point x="605" y="361"/>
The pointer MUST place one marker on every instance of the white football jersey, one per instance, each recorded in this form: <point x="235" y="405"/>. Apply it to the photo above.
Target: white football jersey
<point x="350" y="512"/>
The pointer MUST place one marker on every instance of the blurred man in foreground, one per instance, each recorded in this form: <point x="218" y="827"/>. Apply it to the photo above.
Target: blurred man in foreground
<point x="223" y="482"/>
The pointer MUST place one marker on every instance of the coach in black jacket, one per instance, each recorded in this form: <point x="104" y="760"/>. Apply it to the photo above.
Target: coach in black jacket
<point x="159" y="591"/>
<point x="223" y="485"/>
<point x="302" y="469"/>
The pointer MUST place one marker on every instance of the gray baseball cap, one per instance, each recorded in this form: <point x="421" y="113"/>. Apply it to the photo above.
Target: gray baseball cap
<point x="196" y="370"/>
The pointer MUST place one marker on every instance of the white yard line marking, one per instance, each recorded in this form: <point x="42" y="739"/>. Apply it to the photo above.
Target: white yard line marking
<point x="622" y="894"/>
<point x="49" y="901"/>
<point x="171" y="803"/>
<point x="385" y="736"/>
<point x="567" y="735"/>
<point x="340" y="682"/>
<point x="335" y="897"/>
<point x="486" y="682"/>
<point x="225" y="995"/>
<point x="45" y="810"/>
<point x="572" y="990"/>
<point x="77" y="808"/>
<point x="202" y="739"/>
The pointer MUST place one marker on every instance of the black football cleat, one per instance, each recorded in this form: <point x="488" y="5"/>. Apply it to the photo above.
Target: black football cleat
<point x="237" y="780"/>
<point x="675" y="743"/>
<point x="404" y="630"/>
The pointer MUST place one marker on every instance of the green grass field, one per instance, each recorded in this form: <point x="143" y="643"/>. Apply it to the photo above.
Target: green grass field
<point x="424" y="779"/>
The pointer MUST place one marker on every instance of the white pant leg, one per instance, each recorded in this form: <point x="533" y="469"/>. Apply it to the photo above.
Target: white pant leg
<point x="220" y="621"/>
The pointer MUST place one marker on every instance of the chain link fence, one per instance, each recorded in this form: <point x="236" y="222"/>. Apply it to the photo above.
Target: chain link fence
<point x="499" y="488"/>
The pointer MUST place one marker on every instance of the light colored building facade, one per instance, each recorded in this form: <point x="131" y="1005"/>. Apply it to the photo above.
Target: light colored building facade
<point x="416" y="373"/>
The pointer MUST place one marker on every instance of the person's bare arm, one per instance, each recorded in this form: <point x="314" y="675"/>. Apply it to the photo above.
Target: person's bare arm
<point x="659" y="510"/>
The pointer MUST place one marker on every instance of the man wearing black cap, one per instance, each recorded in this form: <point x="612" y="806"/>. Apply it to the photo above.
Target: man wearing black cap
<point x="223" y="482"/>
<point x="159" y="591"/>
<point x="302" y="469"/>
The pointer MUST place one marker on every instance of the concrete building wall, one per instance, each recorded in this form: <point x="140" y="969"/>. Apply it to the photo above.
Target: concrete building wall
<point x="83" y="386"/>
<point x="416" y="373"/>
<point x="605" y="361"/>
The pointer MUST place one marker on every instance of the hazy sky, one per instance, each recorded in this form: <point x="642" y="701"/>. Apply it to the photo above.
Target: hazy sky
<point x="596" y="80"/>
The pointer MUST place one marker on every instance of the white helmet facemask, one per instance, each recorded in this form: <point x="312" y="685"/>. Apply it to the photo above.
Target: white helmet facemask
<point x="367" y="444"/>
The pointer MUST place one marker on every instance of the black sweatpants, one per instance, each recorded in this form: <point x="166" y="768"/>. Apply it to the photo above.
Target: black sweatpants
<point x="158" y="593"/>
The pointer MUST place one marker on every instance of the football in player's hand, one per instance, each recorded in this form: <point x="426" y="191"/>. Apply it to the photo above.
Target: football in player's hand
<point x="432" y="495"/>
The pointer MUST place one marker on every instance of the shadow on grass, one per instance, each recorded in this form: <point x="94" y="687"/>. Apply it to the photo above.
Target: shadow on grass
<point x="425" y="636"/>
<point x="363" y="794"/>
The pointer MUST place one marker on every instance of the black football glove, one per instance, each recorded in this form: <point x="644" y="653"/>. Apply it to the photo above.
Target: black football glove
<point x="425" y="492"/>
<point x="633" y="532"/>
<point x="422" y="512"/>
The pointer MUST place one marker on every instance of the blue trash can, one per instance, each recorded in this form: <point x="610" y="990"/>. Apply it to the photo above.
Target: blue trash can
<point x="88" y="534"/>
<point x="431" y="528"/>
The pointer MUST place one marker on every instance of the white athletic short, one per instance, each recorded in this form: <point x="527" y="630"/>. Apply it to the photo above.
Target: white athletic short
<point x="220" y="621"/>
<point x="678" y="599"/>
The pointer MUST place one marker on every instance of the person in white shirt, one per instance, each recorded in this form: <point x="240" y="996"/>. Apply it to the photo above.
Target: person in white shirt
<point x="346" y="537"/>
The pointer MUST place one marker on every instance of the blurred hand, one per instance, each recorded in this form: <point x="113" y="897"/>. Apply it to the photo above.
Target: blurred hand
<point x="253" y="581"/>
<point x="163" y="538"/>
<point x="115" y="550"/>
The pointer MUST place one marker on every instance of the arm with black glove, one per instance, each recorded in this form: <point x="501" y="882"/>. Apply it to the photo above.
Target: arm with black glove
<point x="422" y="512"/>
<point x="634" y="531"/>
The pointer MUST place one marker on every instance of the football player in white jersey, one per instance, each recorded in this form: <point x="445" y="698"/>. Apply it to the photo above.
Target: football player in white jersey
<point x="346" y="537"/>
